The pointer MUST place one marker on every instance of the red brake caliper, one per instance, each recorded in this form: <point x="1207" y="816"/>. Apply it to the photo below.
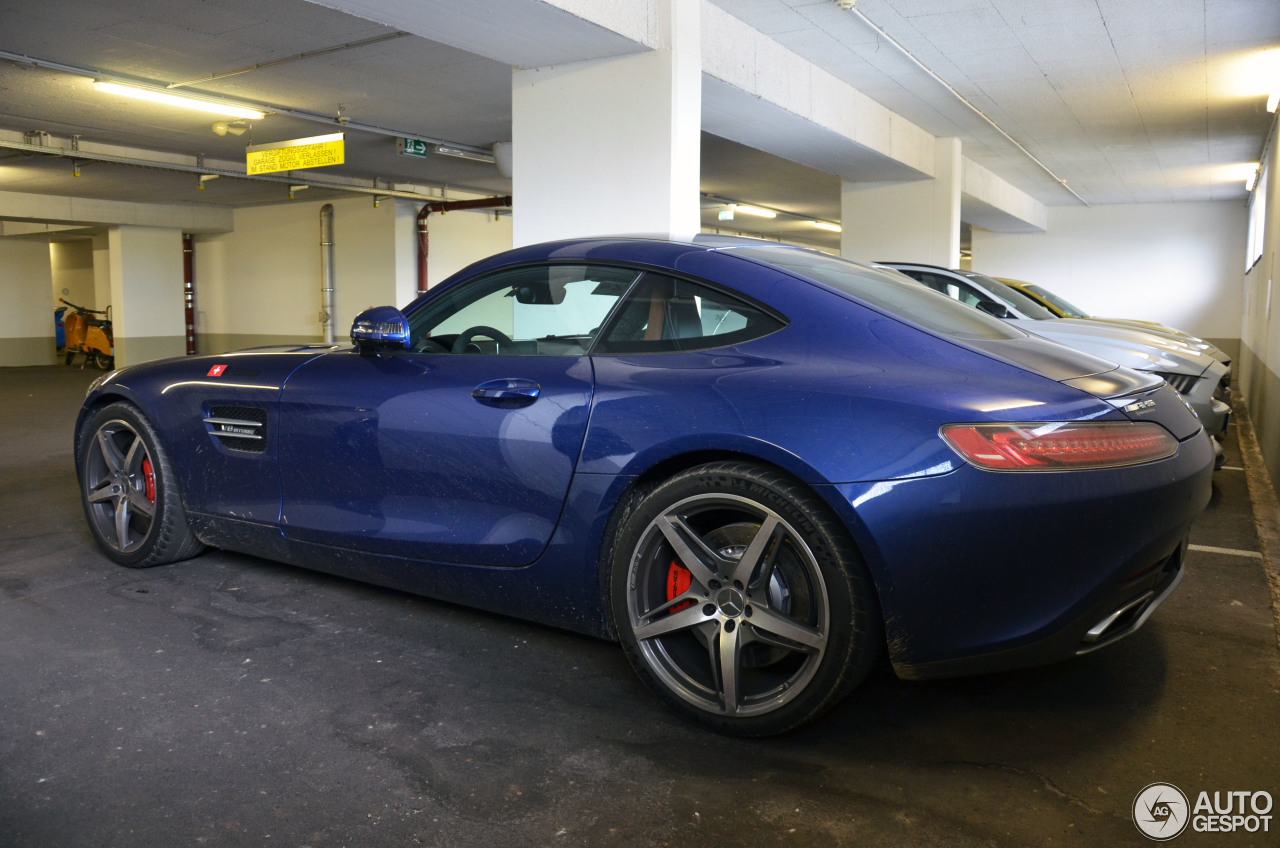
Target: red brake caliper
<point x="679" y="579"/>
<point x="149" y="474"/>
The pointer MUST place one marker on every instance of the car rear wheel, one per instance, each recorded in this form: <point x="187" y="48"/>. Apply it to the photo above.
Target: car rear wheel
<point x="129" y="493"/>
<point x="740" y="600"/>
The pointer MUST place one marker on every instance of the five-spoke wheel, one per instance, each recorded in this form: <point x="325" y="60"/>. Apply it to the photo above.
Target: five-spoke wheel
<point x="129" y="494"/>
<point x="740" y="601"/>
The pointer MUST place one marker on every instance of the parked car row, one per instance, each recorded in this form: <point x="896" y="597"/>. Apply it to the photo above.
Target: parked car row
<point x="1197" y="370"/>
<point x="756" y="466"/>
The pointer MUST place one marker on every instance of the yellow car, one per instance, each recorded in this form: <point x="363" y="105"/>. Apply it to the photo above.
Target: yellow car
<point x="1063" y="309"/>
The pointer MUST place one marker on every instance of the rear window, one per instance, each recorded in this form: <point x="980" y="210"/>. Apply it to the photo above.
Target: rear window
<point x="886" y="289"/>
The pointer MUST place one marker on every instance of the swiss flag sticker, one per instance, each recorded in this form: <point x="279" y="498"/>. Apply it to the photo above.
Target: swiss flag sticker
<point x="216" y="371"/>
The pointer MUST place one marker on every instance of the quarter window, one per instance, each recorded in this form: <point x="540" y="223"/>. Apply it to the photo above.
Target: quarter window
<point x="664" y="313"/>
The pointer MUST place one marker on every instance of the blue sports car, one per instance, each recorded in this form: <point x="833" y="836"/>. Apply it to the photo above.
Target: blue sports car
<point x="756" y="466"/>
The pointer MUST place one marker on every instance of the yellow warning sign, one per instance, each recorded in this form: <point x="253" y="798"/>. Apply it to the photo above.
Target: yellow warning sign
<point x="314" y="152"/>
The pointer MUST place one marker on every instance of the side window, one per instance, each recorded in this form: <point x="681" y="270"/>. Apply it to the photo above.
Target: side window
<point x="663" y="313"/>
<point x="539" y="310"/>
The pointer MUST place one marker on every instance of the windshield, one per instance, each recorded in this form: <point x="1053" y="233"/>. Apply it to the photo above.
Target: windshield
<point x="1011" y="297"/>
<point x="1067" y="309"/>
<point x="884" y="288"/>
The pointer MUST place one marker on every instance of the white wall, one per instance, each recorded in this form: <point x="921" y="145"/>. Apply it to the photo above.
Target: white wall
<point x="1259" y="372"/>
<point x="1177" y="263"/>
<point x="26" y="319"/>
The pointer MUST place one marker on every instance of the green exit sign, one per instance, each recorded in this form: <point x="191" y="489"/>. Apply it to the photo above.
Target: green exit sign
<point x="412" y="147"/>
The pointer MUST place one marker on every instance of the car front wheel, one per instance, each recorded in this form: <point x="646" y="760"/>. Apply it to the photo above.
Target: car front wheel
<point x="128" y="490"/>
<point x="740" y="600"/>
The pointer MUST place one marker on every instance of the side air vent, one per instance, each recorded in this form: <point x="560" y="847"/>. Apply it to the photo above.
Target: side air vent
<point x="239" y="428"/>
<point x="1182" y="383"/>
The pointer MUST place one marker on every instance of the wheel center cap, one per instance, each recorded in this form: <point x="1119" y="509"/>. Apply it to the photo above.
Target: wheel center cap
<point x="731" y="601"/>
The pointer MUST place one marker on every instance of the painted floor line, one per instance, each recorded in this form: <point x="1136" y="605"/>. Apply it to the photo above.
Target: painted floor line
<point x="1209" y="549"/>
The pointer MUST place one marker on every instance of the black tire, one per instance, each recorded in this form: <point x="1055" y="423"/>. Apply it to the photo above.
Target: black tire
<point x="731" y="565"/>
<point x="71" y="355"/>
<point x="103" y="361"/>
<point x="129" y="491"/>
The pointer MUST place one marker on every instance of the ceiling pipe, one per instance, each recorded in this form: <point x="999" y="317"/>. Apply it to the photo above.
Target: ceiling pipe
<point x="443" y="207"/>
<point x="159" y="165"/>
<point x="22" y="59"/>
<point x="957" y="95"/>
<point x="327" y="300"/>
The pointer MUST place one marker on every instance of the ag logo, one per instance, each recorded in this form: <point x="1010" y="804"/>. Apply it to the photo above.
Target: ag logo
<point x="1161" y="812"/>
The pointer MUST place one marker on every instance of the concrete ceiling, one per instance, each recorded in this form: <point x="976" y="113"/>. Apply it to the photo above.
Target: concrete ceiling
<point x="1152" y="101"/>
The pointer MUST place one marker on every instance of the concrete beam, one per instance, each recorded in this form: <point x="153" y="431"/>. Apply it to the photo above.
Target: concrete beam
<point x="989" y="202"/>
<point x="533" y="33"/>
<point x="54" y="209"/>
<point x="758" y="93"/>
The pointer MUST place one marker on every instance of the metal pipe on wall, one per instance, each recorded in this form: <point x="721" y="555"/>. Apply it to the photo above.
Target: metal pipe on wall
<point x="442" y="207"/>
<point x="327" y="304"/>
<point x="189" y="290"/>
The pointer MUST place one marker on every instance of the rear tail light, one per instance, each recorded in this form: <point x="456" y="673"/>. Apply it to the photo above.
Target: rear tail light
<point x="1059" y="446"/>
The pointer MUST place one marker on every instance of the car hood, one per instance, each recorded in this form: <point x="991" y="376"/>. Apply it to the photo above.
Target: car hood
<point x="1124" y="346"/>
<point x="1161" y="331"/>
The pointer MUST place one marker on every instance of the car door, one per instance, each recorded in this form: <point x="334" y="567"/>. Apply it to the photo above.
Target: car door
<point x="460" y="449"/>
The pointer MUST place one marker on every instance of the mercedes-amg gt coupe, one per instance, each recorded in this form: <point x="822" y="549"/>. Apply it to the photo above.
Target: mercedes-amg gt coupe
<point x="757" y="467"/>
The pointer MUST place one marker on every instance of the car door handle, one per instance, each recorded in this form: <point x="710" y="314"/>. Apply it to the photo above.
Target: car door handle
<point x="507" y="393"/>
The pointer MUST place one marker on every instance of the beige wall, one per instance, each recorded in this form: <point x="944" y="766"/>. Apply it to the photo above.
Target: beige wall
<point x="260" y="283"/>
<point x="26" y="314"/>
<point x="72" y="266"/>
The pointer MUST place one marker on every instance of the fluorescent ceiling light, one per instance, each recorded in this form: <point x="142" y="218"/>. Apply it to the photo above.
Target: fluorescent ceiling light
<point x="1251" y="181"/>
<point x="1273" y="100"/>
<point x="758" y="211"/>
<point x="828" y="226"/>
<point x="179" y="100"/>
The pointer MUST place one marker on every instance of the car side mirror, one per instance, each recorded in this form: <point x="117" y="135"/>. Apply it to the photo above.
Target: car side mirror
<point x="380" y="328"/>
<point x="997" y="309"/>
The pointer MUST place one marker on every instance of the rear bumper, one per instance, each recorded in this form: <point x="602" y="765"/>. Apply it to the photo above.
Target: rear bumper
<point x="984" y="571"/>
<point x="1124" y="609"/>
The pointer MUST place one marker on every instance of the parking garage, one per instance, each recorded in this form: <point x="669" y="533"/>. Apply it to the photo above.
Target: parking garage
<point x="234" y="700"/>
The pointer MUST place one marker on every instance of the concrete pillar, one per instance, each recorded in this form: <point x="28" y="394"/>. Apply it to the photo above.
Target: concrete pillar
<point x="907" y="221"/>
<point x="146" y="293"/>
<point x="611" y="146"/>
<point x="101" y="272"/>
<point x="26" y="319"/>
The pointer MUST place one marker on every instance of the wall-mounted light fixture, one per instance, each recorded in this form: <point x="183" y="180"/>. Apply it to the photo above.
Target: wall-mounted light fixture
<point x="238" y="127"/>
<point x="462" y="153"/>
<point x="179" y="100"/>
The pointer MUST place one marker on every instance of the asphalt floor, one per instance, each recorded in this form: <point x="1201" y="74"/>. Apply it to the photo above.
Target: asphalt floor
<point x="230" y="701"/>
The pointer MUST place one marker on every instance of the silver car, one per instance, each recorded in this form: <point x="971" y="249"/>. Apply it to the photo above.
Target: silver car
<point x="1199" y="377"/>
